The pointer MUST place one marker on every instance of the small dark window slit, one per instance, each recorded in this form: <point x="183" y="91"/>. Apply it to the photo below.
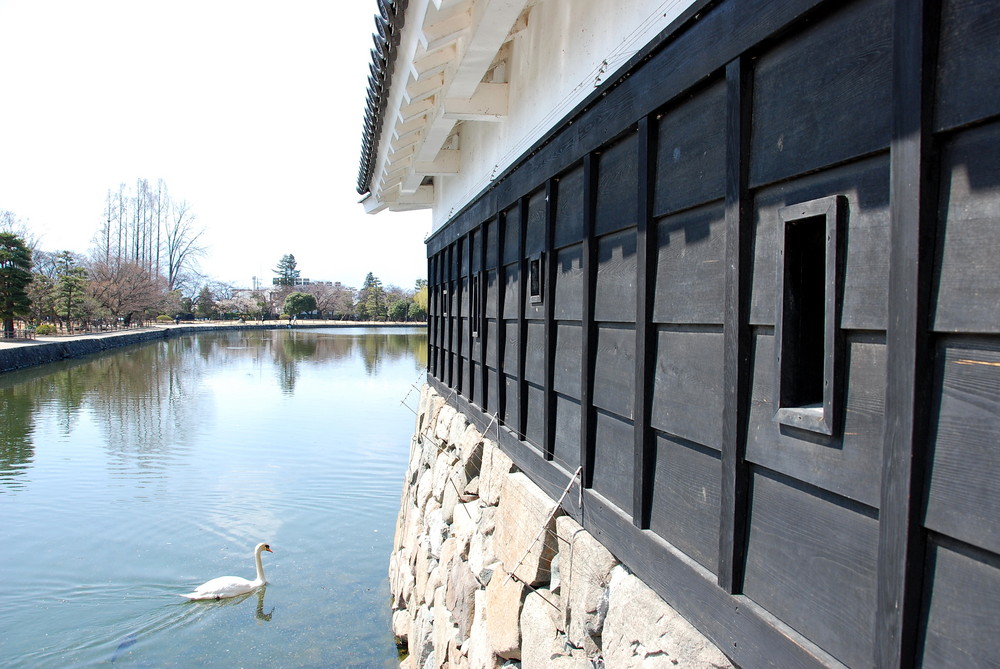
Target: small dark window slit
<point x="476" y="314"/>
<point x="808" y="342"/>
<point x="535" y="283"/>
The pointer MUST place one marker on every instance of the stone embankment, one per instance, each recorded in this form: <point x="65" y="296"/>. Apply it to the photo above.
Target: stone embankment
<point x="487" y="572"/>
<point x="21" y="354"/>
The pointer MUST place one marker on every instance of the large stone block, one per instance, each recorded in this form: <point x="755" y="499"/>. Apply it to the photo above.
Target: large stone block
<point x="421" y="637"/>
<point x="459" y="423"/>
<point x="444" y="627"/>
<point x="442" y="472"/>
<point x="470" y="447"/>
<point x="466" y="521"/>
<point x="457" y="480"/>
<point x="482" y="557"/>
<point x="496" y="465"/>
<point x="503" y="612"/>
<point x="540" y="637"/>
<point x="425" y="564"/>
<point x="425" y="487"/>
<point x="437" y="531"/>
<point x="585" y="568"/>
<point x="524" y="538"/>
<point x="401" y="624"/>
<point x="477" y="646"/>
<point x="442" y="427"/>
<point x="642" y="630"/>
<point x="427" y="410"/>
<point x="462" y="587"/>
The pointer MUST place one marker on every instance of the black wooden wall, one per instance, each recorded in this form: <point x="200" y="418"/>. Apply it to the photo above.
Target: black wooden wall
<point x="752" y="289"/>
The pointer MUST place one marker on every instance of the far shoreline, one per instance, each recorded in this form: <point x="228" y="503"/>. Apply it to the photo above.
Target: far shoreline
<point x="18" y="354"/>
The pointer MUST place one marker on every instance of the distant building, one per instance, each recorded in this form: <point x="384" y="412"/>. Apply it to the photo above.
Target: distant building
<point x="302" y="281"/>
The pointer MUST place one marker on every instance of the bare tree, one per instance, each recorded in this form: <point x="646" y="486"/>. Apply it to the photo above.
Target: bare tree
<point x="125" y="288"/>
<point x="182" y="243"/>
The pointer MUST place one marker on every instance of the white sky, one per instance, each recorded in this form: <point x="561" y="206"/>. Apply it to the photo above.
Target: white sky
<point x="251" y="111"/>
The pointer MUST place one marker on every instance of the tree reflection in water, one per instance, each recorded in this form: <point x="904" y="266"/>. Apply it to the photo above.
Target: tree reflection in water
<point x="17" y="409"/>
<point x="144" y="399"/>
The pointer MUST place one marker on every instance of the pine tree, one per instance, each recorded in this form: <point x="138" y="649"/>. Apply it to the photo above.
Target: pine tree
<point x="15" y="277"/>
<point x="287" y="274"/>
<point x="70" y="286"/>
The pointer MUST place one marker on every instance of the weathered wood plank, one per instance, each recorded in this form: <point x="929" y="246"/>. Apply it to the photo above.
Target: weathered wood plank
<point x="569" y="281"/>
<point x="810" y="90"/>
<point x="688" y="385"/>
<point x="690" y="272"/>
<point x="967" y="264"/>
<point x="569" y="353"/>
<point x="691" y="151"/>
<point x="569" y="210"/>
<point x="492" y="293"/>
<point x="686" y="497"/>
<point x="968" y="61"/>
<point x="534" y="350"/>
<point x="962" y="607"/>
<point x="512" y="291"/>
<point x="962" y="491"/>
<point x="617" y="183"/>
<point x="566" y="448"/>
<point x="512" y="234"/>
<point x="811" y="562"/>
<point x="534" y="419"/>
<point x="616" y="268"/>
<point x="614" y="369"/>
<point x="512" y="348"/>
<point x="614" y="458"/>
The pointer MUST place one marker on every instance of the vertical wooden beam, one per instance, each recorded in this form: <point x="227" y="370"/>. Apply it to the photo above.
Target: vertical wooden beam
<point x="522" y="321"/>
<point x="431" y="317"/>
<point x="449" y="268"/>
<point x="549" y="307"/>
<point x="470" y="328"/>
<point x="645" y="331"/>
<point x="912" y="211"/>
<point x="501" y="389"/>
<point x="736" y="326"/>
<point x="589" y="328"/>
<point x="457" y="341"/>
<point x="484" y="327"/>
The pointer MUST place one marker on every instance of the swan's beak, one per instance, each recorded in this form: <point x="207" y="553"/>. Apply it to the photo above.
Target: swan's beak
<point x="268" y="549"/>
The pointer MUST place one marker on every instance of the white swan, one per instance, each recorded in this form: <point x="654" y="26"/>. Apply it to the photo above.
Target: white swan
<point x="232" y="586"/>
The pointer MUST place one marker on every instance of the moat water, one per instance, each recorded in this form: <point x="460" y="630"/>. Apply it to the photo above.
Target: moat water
<point x="130" y="477"/>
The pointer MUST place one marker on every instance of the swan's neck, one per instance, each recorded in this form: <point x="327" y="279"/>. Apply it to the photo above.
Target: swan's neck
<point x="260" y="568"/>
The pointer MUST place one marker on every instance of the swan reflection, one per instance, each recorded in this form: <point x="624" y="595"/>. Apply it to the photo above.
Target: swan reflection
<point x="259" y="614"/>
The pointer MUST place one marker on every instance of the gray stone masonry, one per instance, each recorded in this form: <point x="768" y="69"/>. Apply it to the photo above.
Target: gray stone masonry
<point x="486" y="571"/>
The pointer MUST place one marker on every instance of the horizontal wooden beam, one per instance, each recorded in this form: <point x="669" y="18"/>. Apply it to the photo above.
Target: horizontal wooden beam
<point x="489" y="103"/>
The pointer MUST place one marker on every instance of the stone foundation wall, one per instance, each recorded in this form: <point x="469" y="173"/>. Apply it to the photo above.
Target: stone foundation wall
<point x="486" y="571"/>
